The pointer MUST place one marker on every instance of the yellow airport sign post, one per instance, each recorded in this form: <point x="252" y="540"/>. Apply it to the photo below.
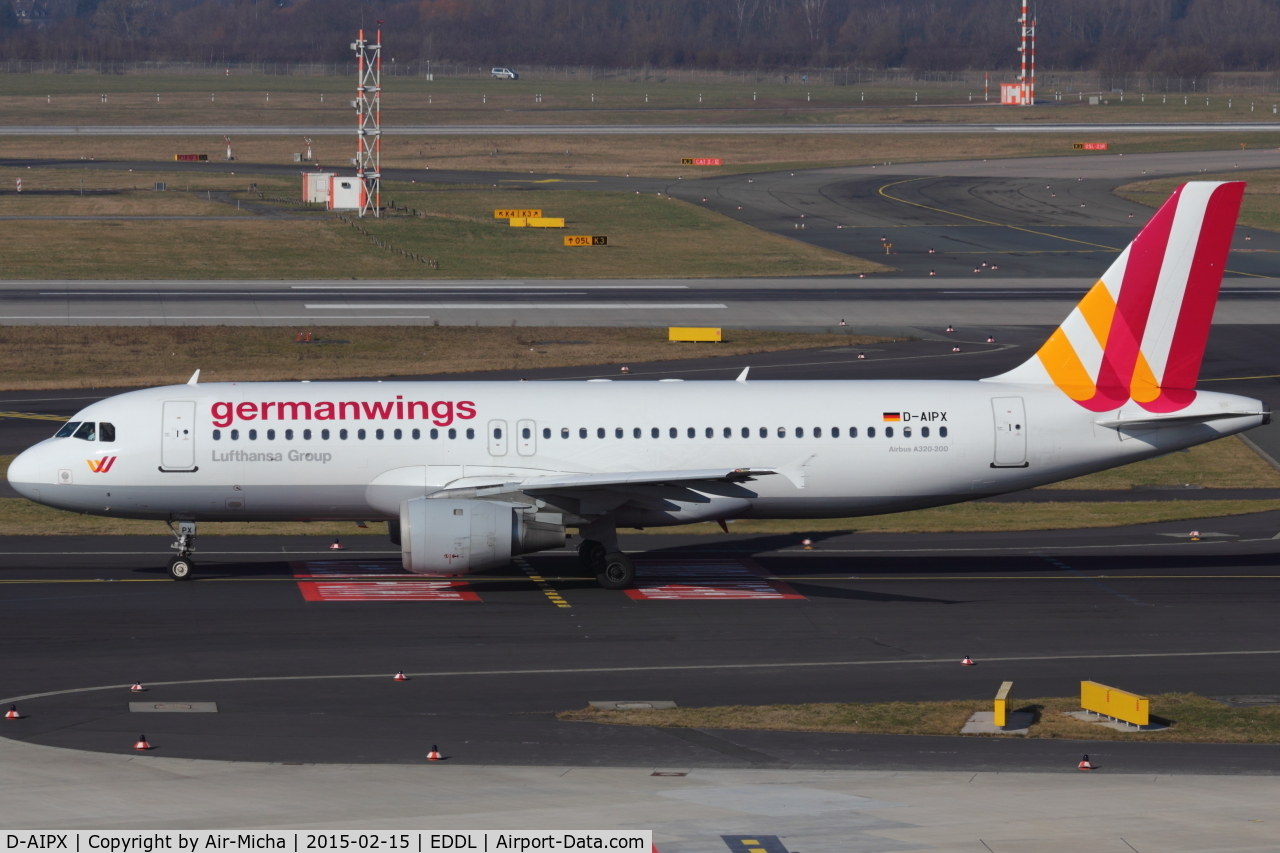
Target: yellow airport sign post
<point x="516" y="214"/>
<point x="685" y="333"/>
<point x="1115" y="703"/>
<point x="598" y="240"/>
<point x="1005" y="695"/>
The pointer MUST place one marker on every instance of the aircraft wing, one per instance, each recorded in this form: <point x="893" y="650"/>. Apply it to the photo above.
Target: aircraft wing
<point x="558" y="483"/>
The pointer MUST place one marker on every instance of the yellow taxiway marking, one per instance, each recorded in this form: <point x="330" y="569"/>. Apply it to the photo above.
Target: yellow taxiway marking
<point x="882" y="192"/>
<point x="1241" y="378"/>
<point x="33" y="416"/>
<point x="983" y="221"/>
<point x="547" y="589"/>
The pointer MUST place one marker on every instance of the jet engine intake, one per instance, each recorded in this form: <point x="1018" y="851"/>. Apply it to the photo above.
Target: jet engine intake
<point x="452" y="537"/>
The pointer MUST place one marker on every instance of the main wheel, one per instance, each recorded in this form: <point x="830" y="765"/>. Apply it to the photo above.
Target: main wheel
<point x="591" y="553"/>
<point x="618" y="572"/>
<point x="181" y="568"/>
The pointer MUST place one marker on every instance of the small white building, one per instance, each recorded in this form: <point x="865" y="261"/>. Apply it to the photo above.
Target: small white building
<point x="315" y="186"/>
<point x="335" y="191"/>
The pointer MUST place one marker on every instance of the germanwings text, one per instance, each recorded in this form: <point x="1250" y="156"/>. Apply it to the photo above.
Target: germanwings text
<point x="440" y="412"/>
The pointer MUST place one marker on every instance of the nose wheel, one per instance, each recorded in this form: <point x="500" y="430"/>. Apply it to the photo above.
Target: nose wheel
<point x="181" y="568"/>
<point x="618" y="572"/>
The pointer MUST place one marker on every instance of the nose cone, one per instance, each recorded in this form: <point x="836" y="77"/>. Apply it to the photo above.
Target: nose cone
<point x="24" y="474"/>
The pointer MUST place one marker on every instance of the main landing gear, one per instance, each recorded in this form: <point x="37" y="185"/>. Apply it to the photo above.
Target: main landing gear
<point x="614" y="570"/>
<point x="181" y="566"/>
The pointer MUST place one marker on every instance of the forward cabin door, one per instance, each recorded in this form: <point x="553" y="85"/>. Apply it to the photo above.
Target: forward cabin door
<point x="1011" y="432"/>
<point x="178" y="436"/>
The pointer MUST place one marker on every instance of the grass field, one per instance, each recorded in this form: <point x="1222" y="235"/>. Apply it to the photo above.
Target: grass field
<point x="1193" y="719"/>
<point x="650" y="236"/>
<point x="614" y="154"/>
<point x="1260" y="208"/>
<point x="297" y="100"/>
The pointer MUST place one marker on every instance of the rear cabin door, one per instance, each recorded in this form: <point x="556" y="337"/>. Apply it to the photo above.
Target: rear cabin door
<point x="497" y="438"/>
<point x="1011" y="432"/>
<point x="178" y="436"/>
<point x="526" y="438"/>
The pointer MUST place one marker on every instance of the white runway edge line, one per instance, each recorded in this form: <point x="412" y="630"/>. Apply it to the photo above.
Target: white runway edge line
<point x="545" y="306"/>
<point x="615" y="669"/>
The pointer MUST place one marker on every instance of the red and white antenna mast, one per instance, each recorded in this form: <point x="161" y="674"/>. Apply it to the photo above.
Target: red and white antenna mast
<point x="1028" y="51"/>
<point x="369" y="121"/>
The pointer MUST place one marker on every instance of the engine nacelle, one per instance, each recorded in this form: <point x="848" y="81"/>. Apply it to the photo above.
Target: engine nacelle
<point x="453" y="537"/>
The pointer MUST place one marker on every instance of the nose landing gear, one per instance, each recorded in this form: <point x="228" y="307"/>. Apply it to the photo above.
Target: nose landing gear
<point x="181" y="566"/>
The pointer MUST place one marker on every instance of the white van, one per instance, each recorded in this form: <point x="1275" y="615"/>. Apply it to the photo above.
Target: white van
<point x="505" y="74"/>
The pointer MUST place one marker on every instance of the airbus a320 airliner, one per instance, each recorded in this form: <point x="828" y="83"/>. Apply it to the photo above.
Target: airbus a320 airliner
<point x="469" y="474"/>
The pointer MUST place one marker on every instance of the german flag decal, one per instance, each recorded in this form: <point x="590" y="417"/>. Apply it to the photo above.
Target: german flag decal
<point x="892" y="417"/>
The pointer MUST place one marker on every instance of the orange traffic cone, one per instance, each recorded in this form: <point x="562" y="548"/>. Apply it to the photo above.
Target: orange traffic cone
<point x="968" y="661"/>
<point x="336" y="546"/>
<point x="12" y="713"/>
<point x="142" y="744"/>
<point x="400" y="676"/>
<point x="137" y="687"/>
<point x="434" y="754"/>
<point x="1085" y="764"/>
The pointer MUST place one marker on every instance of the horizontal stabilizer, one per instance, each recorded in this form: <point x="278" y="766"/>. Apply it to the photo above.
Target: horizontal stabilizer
<point x="1176" y="420"/>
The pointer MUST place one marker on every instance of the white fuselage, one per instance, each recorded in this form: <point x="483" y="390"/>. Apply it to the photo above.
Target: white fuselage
<point x="211" y="452"/>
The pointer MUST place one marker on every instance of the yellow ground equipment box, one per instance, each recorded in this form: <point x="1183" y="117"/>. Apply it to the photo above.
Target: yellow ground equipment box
<point x="516" y="214"/>
<point x="1003" y="698"/>
<point x="1113" y="702"/>
<point x="679" y="333"/>
<point x="598" y="240"/>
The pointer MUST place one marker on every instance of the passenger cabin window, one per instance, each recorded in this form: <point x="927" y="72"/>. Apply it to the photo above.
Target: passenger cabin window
<point x="87" y="431"/>
<point x="217" y="435"/>
<point x="67" y="430"/>
<point x="599" y="432"/>
<point x="106" y="432"/>
<point x="564" y="432"/>
<point x="835" y="432"/>
<point x="782" y="432"/>
<point x="324" y="435"/>
<point x="674" y="432"/>
<point x="546" y="432"/>
<point x="871" y="432"/>
<point x="746" y="432"/>
<point x="471" y="433"/>
<point x="799" y="432"/>
<point x="906" y="432"/>
<point x="817" y="432"/>
<point x="693" y="433"/>
<point x="888" y="432"/>
<point x="924" y="432"/>
<point x="654" y="432"/>
<point x="942" y="431"/>
<point x="636" y="433"/>
<point x="853" y="432"/>
<point x="253" y="435"/>
<point x="764" y="432"/>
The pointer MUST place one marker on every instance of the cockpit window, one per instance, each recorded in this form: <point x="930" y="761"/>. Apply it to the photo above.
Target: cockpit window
<point x="67" y="430"/>
<point x="87" y="431"/>
<point x="106" y="431"/>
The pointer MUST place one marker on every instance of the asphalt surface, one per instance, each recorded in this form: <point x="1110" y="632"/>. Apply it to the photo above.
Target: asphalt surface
<point x="881" y="618"/>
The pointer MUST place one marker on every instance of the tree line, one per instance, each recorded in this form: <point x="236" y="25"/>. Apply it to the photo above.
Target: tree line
<point x="1182" y="38"/>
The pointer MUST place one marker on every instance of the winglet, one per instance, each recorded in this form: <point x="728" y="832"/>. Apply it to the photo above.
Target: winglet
<point x="742" y="377"/>
<point x="195" y="378"/>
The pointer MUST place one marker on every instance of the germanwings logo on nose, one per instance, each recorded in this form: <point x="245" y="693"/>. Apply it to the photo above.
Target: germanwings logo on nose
<point x="101" y="466"/>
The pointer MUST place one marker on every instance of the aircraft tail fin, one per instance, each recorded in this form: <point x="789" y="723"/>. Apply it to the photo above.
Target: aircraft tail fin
<point x="1139" y="333"/>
